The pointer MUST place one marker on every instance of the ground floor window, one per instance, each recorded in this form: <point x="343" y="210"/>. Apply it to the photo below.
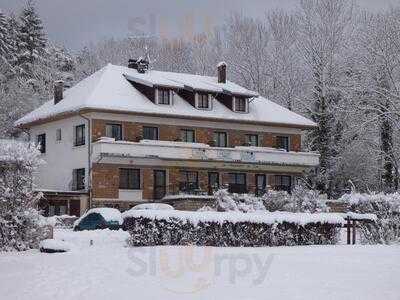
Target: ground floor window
<point x="188" y="181"/>
<point x="237" y="183"/>
<point x="129" y="179"/>
<point x="213" y="182"/>
<point x="261" y="184"/>
<point x="283" y="183"/>
<point x="57" y="210"/>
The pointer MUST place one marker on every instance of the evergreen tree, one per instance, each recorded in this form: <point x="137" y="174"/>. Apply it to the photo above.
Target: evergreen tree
<point x="32" y="40"/>
<point x="6" y="48"/>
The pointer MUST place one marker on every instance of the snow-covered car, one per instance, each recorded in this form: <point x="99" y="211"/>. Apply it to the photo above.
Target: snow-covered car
<point x="153" y="206"/>
<point x="99" y="218"/>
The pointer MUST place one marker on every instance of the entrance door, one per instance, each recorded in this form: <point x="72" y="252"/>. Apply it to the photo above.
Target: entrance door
<point x="261" y="184"/>
<point x="159" y="184"/>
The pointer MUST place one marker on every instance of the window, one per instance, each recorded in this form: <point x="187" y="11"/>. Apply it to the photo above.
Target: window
<point x="252" y="140"/>
<point x="282" y="142"/>
<point x="283" y="183"/>
<point x="213" y="182"/>
<point x="188" y="181"/>
<point x="41" y="142"/>
<point x="114" y="131"/>
<point x="261" y="184"/>
<point x="58" y="134"/>
<point x="187" y="135"/>
<point x="129" y="179"/>
<point x="79" y="179"/>
<point x="203" y="101"/>
<point x="221" y="139"/>
<point x="240" y="104"/>
<point x="150" y="133"/>
<point x="163" y="96"/>
<point x="160" y="184"/>
<point x="80" y="135"/>
<point x="237" y="183"/>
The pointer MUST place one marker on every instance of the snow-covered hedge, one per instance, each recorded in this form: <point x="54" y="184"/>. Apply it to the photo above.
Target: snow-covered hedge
<point x="300" y="200"/>
<point x="386" y="228"/>
<point x="20" y="227"/>
<point x="209" y="228"/>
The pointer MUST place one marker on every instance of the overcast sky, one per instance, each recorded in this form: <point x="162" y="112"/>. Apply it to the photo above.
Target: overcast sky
<point x="76" y="23"/>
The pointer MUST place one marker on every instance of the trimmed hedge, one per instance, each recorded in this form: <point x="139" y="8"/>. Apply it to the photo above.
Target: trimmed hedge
<point x="146" y="230"/>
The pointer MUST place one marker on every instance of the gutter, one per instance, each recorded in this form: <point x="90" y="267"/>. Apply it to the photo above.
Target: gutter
<point x="89" y="183"/>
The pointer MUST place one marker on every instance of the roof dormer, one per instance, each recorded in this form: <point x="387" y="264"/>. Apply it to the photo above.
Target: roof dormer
<point x="164" y="96"/>
<point x="203" y="101"/>
<point x="240" y="104"/>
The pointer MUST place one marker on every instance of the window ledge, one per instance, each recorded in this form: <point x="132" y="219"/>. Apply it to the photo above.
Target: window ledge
<point x="78" y="146"/>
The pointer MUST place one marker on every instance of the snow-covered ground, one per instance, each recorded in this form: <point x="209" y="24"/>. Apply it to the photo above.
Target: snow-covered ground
<point x="109" y="270"/>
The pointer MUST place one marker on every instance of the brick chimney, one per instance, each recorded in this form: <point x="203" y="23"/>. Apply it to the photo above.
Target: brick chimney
<point x="58" y="91"/>
<point x="221" y="72"/>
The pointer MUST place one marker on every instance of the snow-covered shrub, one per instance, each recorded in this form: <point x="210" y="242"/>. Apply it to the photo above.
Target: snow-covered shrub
<point x="386" y="229"/>
<point x="303" y="199"/>
<point x="233" y="229"/>
<point x="226" y="201"/>
<point x="300" y="200"/>
<point x="19" y="220"/>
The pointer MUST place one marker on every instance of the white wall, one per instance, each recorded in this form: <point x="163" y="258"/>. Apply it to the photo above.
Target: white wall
<point x="61" y="157"/>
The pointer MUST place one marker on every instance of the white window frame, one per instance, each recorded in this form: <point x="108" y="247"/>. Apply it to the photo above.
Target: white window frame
<point x="171" y="97"/>
<point x="234" y="105"/>
<point x="196" y="101"/>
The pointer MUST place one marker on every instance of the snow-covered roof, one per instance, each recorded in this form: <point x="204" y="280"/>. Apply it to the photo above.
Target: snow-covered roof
<point x="110" y="89"/>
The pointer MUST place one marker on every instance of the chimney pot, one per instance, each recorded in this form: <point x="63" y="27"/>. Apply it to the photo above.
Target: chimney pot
<point x="58" y="91"/>
<point x="221" y="72"/>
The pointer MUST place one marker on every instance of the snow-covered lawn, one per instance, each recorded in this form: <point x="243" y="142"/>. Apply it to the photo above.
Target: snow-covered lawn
<point x="109" y="270"/>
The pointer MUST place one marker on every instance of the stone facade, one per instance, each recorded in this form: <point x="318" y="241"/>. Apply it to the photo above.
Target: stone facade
<point x="134" y="132"/>
<point x="105" y="182"/>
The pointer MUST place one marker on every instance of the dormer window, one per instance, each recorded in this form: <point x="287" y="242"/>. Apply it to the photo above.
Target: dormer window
<point x="164" y="96"/>
<point x="240" y="104"/>
<point x="203" y="101"/>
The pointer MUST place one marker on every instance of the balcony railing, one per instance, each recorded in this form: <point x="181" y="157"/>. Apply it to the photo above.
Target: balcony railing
<point x="193" y="189"/>
<point x="202" y="152"/>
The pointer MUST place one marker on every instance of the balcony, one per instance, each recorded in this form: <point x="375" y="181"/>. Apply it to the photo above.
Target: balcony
<point x="166" y="150"/>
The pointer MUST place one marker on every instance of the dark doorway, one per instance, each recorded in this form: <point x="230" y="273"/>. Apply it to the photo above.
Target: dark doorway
<point x="213" y="182"/>
<point x="261" y="184"/>
<point x="159" y="184"/>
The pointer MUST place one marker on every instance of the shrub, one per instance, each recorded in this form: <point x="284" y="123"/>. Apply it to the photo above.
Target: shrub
<point x="386" y="229"/>
<point x="300" y="200"/>
<point x="234" y="229"/>
<point x="226" y="201"/>
<point x="19" y="220"/>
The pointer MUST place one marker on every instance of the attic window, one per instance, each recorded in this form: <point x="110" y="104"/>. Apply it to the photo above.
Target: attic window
<point x="163" y="96"/>
<point x="203" y="101"/>
<point x="240" y="104"/>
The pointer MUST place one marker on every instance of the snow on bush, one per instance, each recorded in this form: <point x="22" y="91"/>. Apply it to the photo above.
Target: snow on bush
<point x="235" y="202"/>
<point x="19" y="220"/>
<point x="386" y="228"/>
<point x="300" y="200"/>
<point x="236" y="229"/>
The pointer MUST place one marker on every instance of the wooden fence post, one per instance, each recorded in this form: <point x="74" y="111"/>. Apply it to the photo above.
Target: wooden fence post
<point x="354" y="231"/>
<point x="348" y="231"/>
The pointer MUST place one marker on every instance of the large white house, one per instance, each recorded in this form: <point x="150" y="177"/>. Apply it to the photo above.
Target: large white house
<point x="128" y="135"/>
